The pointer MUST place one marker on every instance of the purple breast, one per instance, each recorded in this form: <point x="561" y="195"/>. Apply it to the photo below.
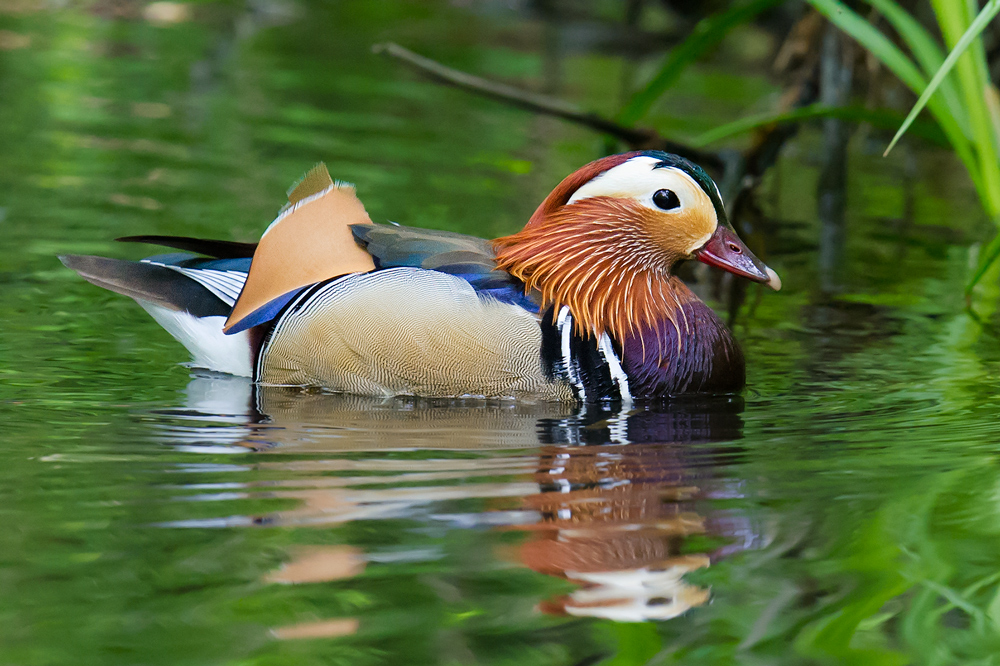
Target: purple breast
<point x="698" y="355"/>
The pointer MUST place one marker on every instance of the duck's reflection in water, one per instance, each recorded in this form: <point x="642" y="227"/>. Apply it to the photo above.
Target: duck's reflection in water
<point x="617" y="519"/>
<point x="611" y="501"/>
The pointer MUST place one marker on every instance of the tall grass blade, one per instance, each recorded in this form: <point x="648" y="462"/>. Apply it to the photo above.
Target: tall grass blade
<point x="927" y="53"/>
<point x="706" y="34"/>
<point x="982" y="20"/>
<point x="878" y="118"/>
<point x="987" y="256"/>
<point x="873" y="40"/>
<point x="972" y="72"/>
<point x="993" y="106"/>
<point x="899" y="64"/>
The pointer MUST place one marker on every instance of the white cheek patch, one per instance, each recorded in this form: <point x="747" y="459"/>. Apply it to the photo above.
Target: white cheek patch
<point x="639" y="179"/>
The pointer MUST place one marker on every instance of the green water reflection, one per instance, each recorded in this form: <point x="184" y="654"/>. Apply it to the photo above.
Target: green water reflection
<point x="844" y="511"/>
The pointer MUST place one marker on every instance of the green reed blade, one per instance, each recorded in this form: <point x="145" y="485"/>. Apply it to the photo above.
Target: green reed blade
<point x="955" y="18"/>
<point x="926" y="51"/>
<point x="899" y="64"/>
<point x="960" y="23"/>
<point x="987" y="256"/>
<point x="882" y="119"/>
<point x="705" y="36"/>
<point x="971" y="34"/>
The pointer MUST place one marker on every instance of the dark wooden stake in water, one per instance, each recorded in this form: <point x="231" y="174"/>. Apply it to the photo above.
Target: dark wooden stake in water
<point x="836" y="70"/>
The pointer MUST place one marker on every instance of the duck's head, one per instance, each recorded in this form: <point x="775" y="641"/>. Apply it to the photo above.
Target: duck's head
<point x="617" y="223"/>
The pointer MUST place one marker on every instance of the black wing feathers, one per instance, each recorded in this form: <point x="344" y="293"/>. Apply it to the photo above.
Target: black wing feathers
<point x="148" y="282"/>
<point x="213" y="248"/>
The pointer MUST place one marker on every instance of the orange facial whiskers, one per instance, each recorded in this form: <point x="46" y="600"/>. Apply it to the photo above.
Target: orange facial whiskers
<point x="600" y="258"/>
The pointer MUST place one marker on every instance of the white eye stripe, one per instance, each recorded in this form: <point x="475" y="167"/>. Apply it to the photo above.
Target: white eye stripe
<point x="640" y="178"/>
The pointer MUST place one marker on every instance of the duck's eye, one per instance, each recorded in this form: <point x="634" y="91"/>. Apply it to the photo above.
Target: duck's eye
<point x="666" y="199"/>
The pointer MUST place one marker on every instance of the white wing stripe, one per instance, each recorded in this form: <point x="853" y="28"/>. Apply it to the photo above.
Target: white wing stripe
<point x="227" y="285"/>
<point x="224" y="284"/>
<point x="228" y="282"/>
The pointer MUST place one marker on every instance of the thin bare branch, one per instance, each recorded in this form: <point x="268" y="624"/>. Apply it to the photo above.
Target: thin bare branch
<point x="636" y="138"/>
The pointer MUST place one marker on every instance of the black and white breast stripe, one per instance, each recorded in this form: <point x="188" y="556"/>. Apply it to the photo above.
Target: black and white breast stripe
<point x="592" y="367"/>
<point x="607" y="349"/>
<point x="570" y="365"/>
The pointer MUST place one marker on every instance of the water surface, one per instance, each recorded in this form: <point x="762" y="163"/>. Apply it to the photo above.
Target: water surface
<point x="844" y="510"/>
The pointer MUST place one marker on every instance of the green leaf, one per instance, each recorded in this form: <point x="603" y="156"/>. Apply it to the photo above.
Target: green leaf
<point x="993" y="610"/>
<point x="638" y="642"/>
<point x="878" y="118"/>
<point x="899" y="64"/>
<point x="955" y="18"/>
<point x="987" y="256"/>
<point x="985" y="16"/>
<point x="927" y="52"/>
<point x="706" y="34"/>
<point x="874" y="41"/>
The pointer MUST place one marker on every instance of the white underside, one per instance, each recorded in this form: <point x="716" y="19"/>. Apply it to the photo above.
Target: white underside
<point x="202" y="336"/>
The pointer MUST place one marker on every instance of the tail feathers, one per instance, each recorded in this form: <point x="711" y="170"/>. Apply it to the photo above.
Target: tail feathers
<point x="212" y="248"/>
<point x="154" y="284"/>
<point x="188" y="310"/>
<point x="202" y="336"/>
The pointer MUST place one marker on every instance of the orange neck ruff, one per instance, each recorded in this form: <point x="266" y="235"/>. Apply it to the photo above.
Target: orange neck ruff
<point x="597" y="258"/>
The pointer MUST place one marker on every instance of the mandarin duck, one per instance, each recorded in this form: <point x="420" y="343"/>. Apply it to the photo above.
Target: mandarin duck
<point x="580" y="305"/>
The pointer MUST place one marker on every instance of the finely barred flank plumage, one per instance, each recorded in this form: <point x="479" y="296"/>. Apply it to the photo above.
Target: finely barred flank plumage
<point x="328" y="299"/>
<point x="338" y="335"/>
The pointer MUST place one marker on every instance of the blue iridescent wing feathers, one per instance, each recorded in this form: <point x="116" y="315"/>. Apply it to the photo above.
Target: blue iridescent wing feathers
<point x="467" y="257"/>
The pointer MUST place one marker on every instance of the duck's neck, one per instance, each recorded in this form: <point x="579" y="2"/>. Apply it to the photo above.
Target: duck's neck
<point x="691" y="352"/>
<point x="615" y="282"/>
<point x="597" y="260"/>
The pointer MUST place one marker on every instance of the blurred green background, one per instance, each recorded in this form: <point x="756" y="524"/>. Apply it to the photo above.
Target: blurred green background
<point x="847" y="504"/>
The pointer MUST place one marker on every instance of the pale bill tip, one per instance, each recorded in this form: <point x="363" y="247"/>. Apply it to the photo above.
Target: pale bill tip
<point x="773" y="281"/>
